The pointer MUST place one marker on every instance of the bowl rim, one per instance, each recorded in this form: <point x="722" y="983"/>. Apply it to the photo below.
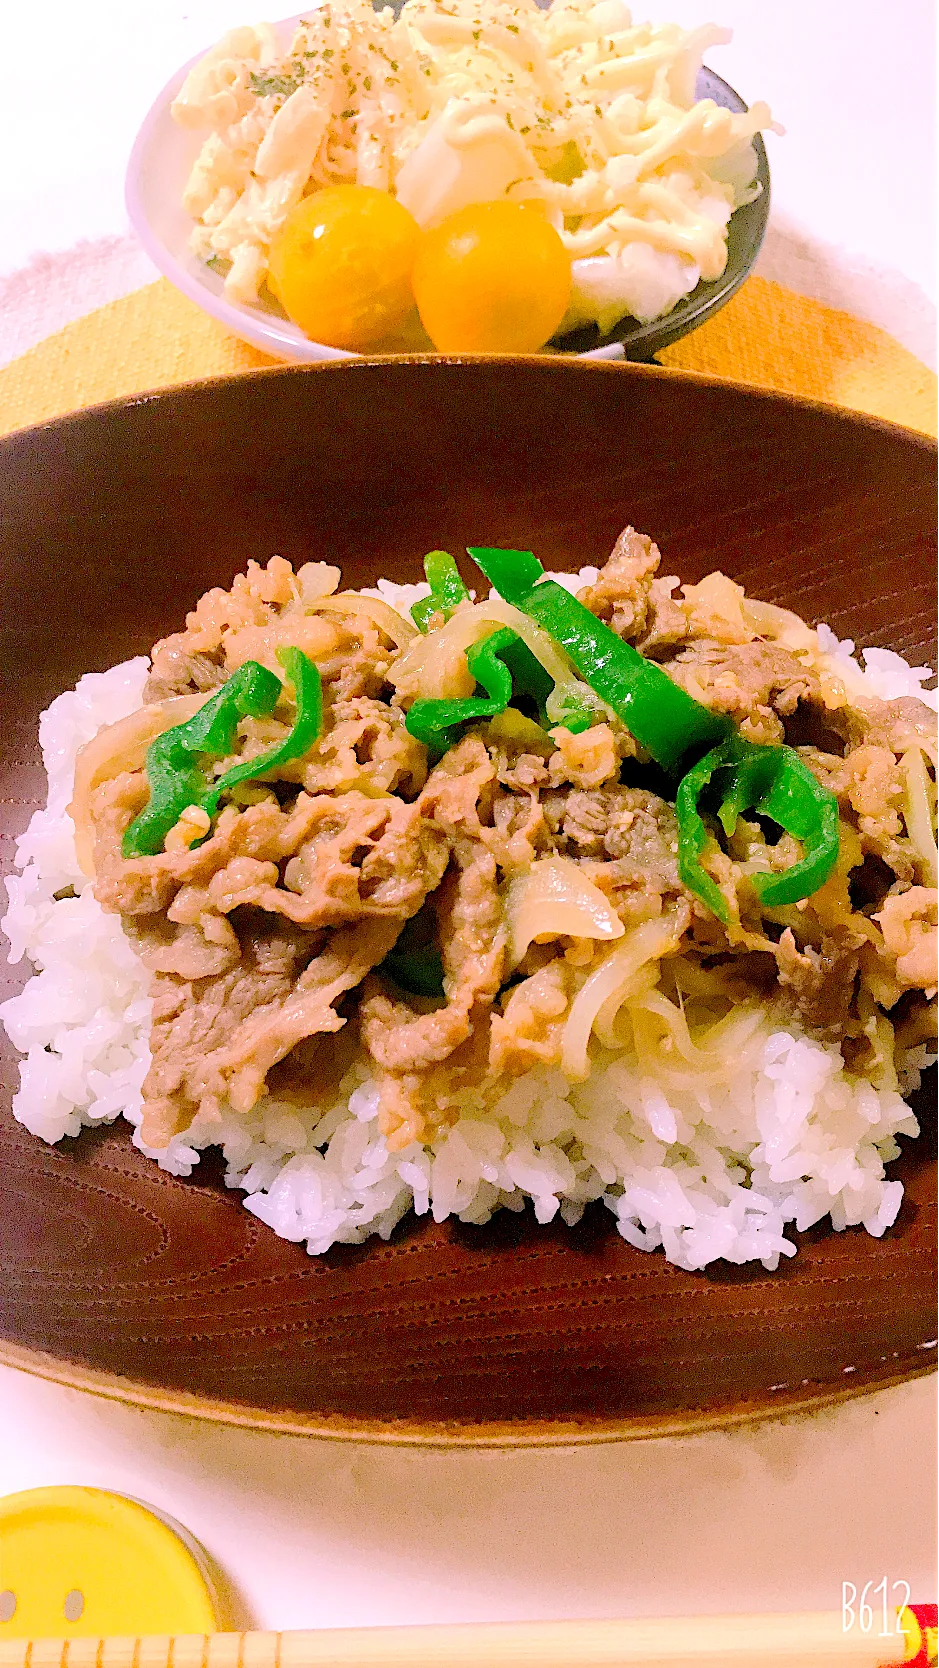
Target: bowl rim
<point x="547" y="364"/>
<point x="804" y="1400"/>
<point x="259" y="328"/>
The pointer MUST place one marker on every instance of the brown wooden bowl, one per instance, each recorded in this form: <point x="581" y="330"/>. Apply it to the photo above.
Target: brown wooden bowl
<point x="118" y="1277"/>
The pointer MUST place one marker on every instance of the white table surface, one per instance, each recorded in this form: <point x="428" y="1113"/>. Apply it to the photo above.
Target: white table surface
<point x="311" y="1533"/>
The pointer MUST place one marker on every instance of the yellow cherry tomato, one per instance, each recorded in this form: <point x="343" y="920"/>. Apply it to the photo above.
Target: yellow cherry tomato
<point x="492" y="278"/>
<point x="341" y="265"/>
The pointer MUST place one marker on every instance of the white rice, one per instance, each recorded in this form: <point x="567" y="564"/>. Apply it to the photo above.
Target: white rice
<point x="886" y="675"/>
<point x="705" y="1173"/>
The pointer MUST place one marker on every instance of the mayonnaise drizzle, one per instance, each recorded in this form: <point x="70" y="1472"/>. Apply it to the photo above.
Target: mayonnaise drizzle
<point x="459" y="101"/>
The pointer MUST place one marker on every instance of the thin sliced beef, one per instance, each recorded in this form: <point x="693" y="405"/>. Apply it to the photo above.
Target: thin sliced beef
<point x="620" y="595"/>
<point x="757" y="684"/>
<point x="403" y="1042"/>
<point x="324" y="860"/>
<point x="217" y="1039"/>
<point x="267" y="940"/>
<point x="819" y="982"/>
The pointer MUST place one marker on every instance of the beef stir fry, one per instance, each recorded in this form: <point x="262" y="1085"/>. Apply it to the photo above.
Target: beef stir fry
<point x="438" y="840"/>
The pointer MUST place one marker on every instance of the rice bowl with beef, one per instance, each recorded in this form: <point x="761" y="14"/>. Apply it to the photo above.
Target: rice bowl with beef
<point x="724" y="1092"/>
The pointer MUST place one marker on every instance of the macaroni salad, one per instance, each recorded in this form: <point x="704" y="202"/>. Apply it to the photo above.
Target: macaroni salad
<point x="452" y="102"/>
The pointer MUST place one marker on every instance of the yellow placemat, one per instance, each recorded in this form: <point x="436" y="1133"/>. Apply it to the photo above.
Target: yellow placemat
<point x="767" y="336"/>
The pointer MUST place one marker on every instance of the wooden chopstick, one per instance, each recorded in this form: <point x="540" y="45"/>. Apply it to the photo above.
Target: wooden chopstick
<point x="811" y="1640"/>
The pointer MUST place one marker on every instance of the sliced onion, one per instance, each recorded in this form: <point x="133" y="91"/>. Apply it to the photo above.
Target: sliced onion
<point x="608" y="1026"/>
<point x="650" y="940"/>
<point x="722" y="603"/>
<point x="555" y="898"/>
<point x="917" y="813"/>
<point x="723" y="1046"/>
<point x="435" y="665"/>
<point x="316" y="637"/>
<point x="513" y="729"/>
<point x="780" y="624"/>
<point x="388" y="620"/>
<point x="317" y="579"/>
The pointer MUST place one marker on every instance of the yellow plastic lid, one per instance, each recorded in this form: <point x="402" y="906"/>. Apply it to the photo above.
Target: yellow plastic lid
<point x="80" y="1562"/>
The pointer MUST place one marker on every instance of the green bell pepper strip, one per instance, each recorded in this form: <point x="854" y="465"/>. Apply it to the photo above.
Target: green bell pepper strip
<point x="528" y="675"/>
<point x="437" y="722"/>
<point x="662" y="717"/>
<point x="776" y="783"/>
<point x="175" y="767"/>
<point x="505" y="666"/>
<point x="174" y="771"/>
<point x="574" y="716"/>
<point x="447" y="589"/>
<point x="530" y="678"/>
<point x="308" y="692"/>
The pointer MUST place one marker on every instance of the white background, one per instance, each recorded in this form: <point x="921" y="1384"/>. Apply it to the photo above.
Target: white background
<point x="313" y="1533"/>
